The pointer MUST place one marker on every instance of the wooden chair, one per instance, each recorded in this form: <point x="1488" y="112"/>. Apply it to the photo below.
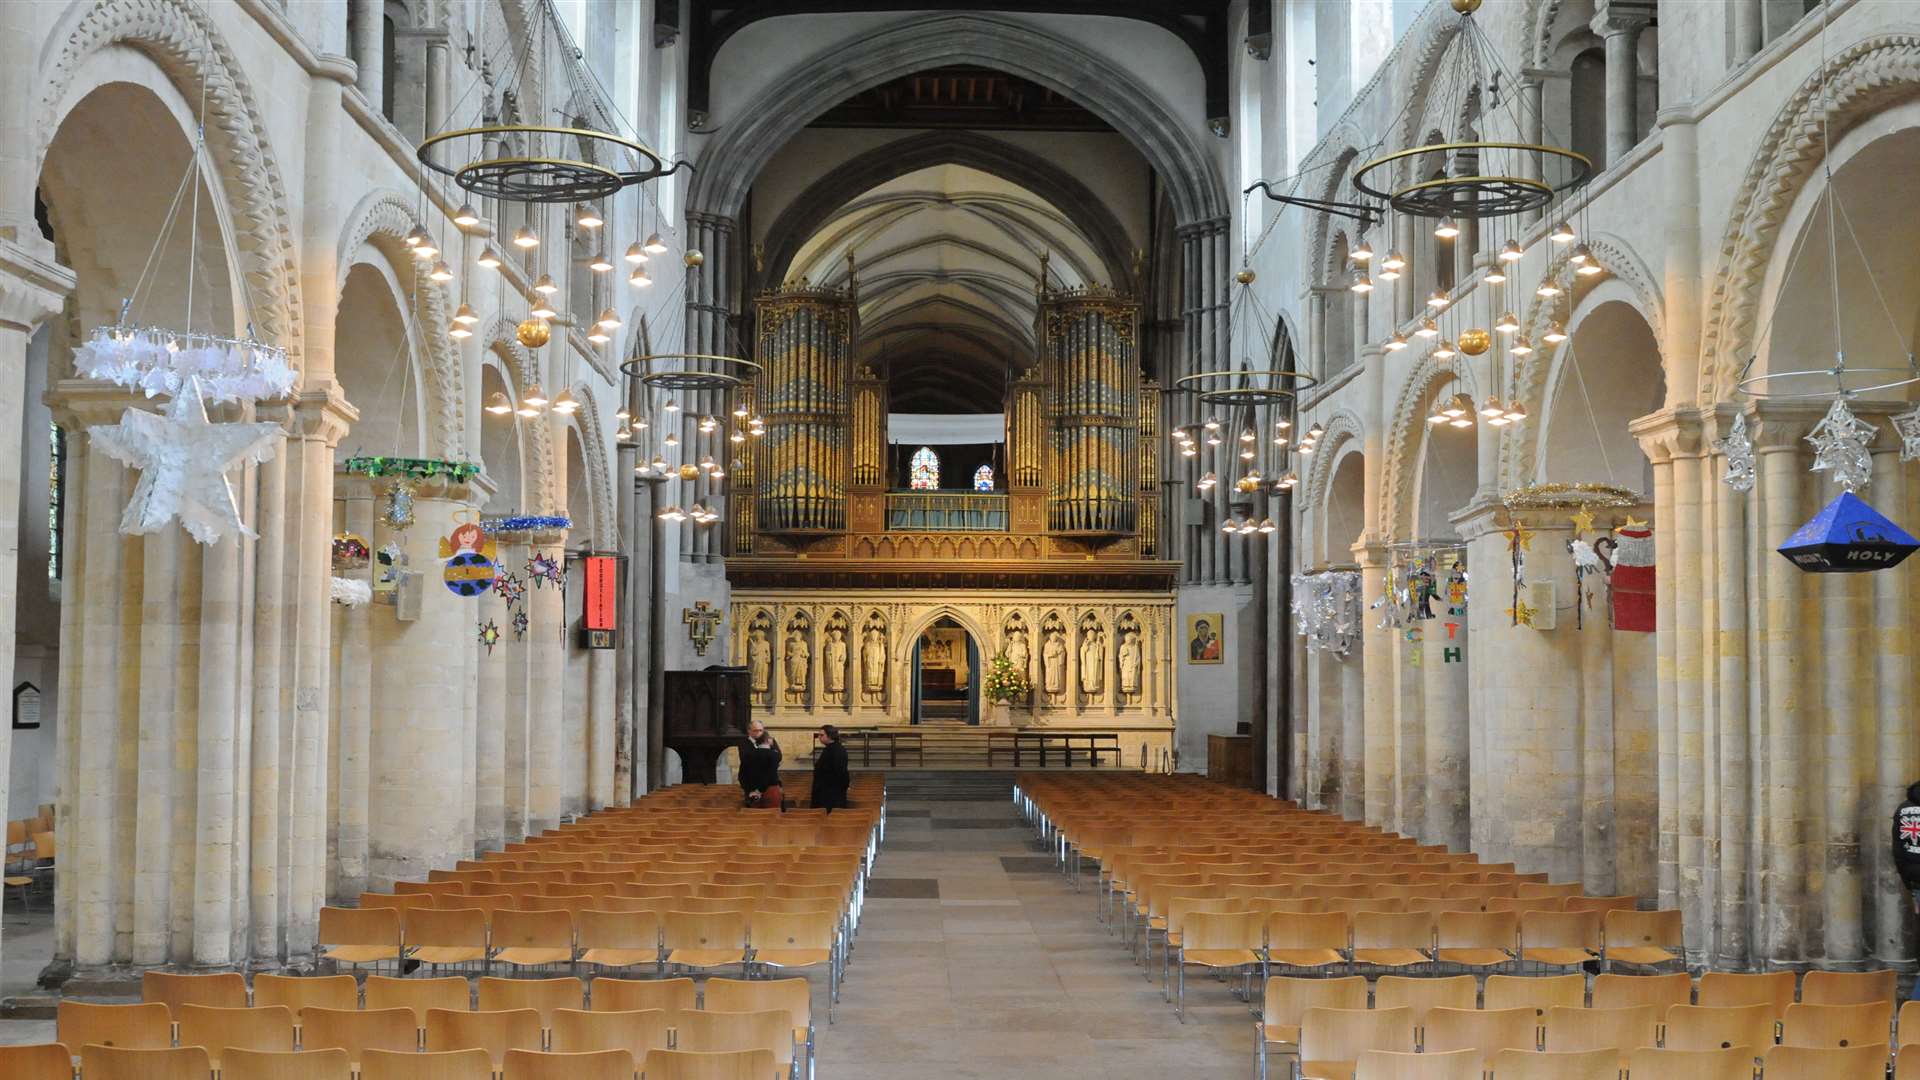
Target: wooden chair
<point x="1620" y="1030"/>
<point x="587" y="1065"/>
<point x="711" y="1032"/>
<point x="356" y="936"/>
<point x="1846" y="987"/>
<point x="704" y="940"/>
<point x="1392" y="939"/>
<point x="1535" y="992"/>
<point x="1332" y="1040"/>
<point x="1222" y="941"/>
<point x="1906" y="1064"/>
<point x="1661" y="991"/>
<point x="146" y="1026"/>
<point x="359" y="1031"/>
<point x="759" y="995"/>
<point x="1773" y="988"/>
<point x="160" y="1063"/>
<point x="696" y="1065"/>
<point x="637" y="1032"/>
<point x="495" y="1031"/>
<point x="1837" y="1025"/>
<point x="1399" y="1065"/>
<point x="1824" y="1063"/>
<point x="265" y="1027"/>
<point x="1423" y="995"/>
<point x="1527" y="890"/>
<point x="1307" y="940"/>
<point x="1907" y="1027"/>
<point x="618" y="938"/>
<point x="297" y="992"/>
<point x="1602" y="903"/>
<point x="532" y="938"/>
<point x="1641" y="938"/>
<point x="1731" y="1063"/>
<point x="1559" y="1065"/>
<point x="634" y="995"/>
<point x="36" y="1061"/>
<point x="1476" y="939"/>
<point x="226" y="990"/>
<point x="440" y="936"/>
<point x="285" y="1064"/>
<point x="1559" y="938"/>
<point x="441" y="1065"/>
<point x="419" y="995"/>
<point x="788" y="942"/>
<point x="1286" y="1000"/>
<point x="1718" y="1027"/>
<point x="1486" y="1032"/>
<point x="544" y="996"/>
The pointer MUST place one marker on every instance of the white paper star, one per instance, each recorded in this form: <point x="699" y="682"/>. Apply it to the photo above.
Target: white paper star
<point x="183" y="461"/>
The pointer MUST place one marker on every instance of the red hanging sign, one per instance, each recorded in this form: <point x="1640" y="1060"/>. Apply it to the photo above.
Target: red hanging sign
<point x="603" y="591"/>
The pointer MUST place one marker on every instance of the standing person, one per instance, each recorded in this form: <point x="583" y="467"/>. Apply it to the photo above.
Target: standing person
<point x="830" y="775"/>
<point x="760" y="768"/>
<point x="1906" y="843"/>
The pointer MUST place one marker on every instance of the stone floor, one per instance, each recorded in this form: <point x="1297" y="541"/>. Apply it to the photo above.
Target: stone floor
<point x="975" y="960"/>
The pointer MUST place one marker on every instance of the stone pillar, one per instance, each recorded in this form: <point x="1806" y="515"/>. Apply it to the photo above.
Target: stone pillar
<point x="490" y="723"/>
<point x="1786" y="906"/>
<point x="439" y="86"/>
<point x="354" y="708"/>
<point x="631" y="675"/>
<point x="546" y="663"/>
<point x="1406" y="290"/>
<point x="1680" y="163"/>
<point x="154" y="722"/>
<point x="1895" y="751"/>
<point x="1317" y="333"/>
<point x="369" y="48"/>
<point x="1204" y="285"/>
<point x="1731" y="941"/>
<point x="1533" y="124"/>
<point x="1366" y="749"/>
<point x="415" y="808"/>
<point x="270" y="617"/>
<point x="217" y="833"/>
<point x="517" y="704"/>
<point x="1445" y="709"/>
<point x="1749" y="29"/>
<point x="1621" y="32"/>
<point x="713" y="325"/>
<point x="601" y="666"/>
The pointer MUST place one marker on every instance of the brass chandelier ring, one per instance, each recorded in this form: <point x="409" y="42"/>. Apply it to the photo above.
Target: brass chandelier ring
<point x="1477" y="196"/>
<point x="1246" y="395"/>
<point x="1886" y="378"/>
<point x="685" y="377"/>
<point x="537" y="178"/>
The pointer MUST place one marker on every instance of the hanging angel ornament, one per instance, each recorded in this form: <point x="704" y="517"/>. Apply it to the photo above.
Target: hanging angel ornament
<point x="1840" y="442"/>
<point x="183" y="460"/>
<point x="1737" y="448"/>
<point x="470" y="560"/>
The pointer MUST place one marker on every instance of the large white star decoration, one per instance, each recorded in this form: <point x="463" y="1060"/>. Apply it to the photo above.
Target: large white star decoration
<point x="183" y="461"/>
<point x="1907" y="424"/>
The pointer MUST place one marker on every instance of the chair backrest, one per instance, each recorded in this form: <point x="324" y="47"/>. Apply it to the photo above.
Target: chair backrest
<point x="1908" y="1026"/>
<point x="38" y="1061"/>
<point x="1221" y="930"/>
<point x="1422" y="995"/>
<point x="161" y="1063"/>
<point x="1322" y="930"/>
<point x="146" y="1026"/>
<point x="1623" y="1030"/>
<point x="1531" y="891"/>
<point x="1477" y="929"/>
<point x="759" y="995"/>
<point x="636" y="1032"/>
<point x="1560" y="929"/>
<point x="1837" y="1025"/>
<point x="1717" y="1027"/>
<point x="357" y="1031"/>
<point x="1399" y="1065"/>
<point x="602" y="929"/>
<point x="360" y="926"/>
<point x="1661" y="991"/>
<point x="1906" y="1065"/>
<point x="768" y="1029"/>
<point x="699" y="1065"/>
<point x="227" y="989"/>
<point x="463" y="927"/>
<point x="1393" y="930"/>
<point x="1486" y="1031"/>
<point x="632" y="995"/>
<point x="263" y="1027"/>
<point x="1342" y="1035"/>
<point x="1826" y="1063"/>
<point x="419" y="995"/>
<point x="297" y="992"/>
<point x="1660" y="929"/>
<point x="792" y="930"/>
<point x="239" y="1064"/>
<point x="1287" y="999"/>
<point x="705" y="929"/>
<point x="1601" y="1064"/>
<point x="1773" y="988"/>
<point x="1535" y="992"/>
<point x="442" y="1065"/>
<point x="1731" y="1063"/>
<point x="1846" y="987"/>
<point x="495" y="1031"/>
<point x="1602" y="903"/>
<point x="543" y="996"/>
<point x="532" y="929"/>
<point x="586" y="1065"/>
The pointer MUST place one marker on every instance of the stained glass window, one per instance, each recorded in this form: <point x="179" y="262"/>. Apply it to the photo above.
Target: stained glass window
<point x="983" y="478"/>
<point x="924" y="470"/>
<point x="56" y="498"/>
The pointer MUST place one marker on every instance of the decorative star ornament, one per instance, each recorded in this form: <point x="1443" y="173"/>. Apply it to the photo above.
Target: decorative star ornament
<point x="1737" y="447"/>
<point x="183" y="461"/>
<point x="1840" y="442"/>
<point x="1519" y="538"/>
<point x="1520" y="613"/>
<point x="1633" y="523"/>
<point x="1907" y="425"/>
<point x="489" y="635"/>
<point x="1582" y="520"/>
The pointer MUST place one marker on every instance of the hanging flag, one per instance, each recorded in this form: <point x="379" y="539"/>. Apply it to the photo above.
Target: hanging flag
<point x="602" y="599"/>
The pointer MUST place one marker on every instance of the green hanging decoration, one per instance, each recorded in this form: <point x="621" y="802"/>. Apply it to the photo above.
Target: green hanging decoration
<point x="413" y="468"/>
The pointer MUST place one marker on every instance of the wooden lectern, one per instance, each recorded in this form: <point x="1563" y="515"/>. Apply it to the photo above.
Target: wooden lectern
<point x="704" y="713"/>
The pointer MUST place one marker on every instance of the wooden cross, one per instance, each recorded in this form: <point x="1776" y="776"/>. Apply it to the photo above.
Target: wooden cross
<point x="702" y="620"/>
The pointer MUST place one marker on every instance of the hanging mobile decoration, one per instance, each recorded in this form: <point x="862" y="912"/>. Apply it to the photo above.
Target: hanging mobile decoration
<point x="183" y="461"/>
<point x="1738" y="450"/>
<point x="469" y="554"/>
<point x="1457" y="587"/>
<point x="519" y="523"/>
<point x="544" y="568"/>
<point x="1585" y="561"/>
<point x="489" y="635"/>
<point x="350" y="551"/>
<point x="1907" y="426"/>
<point x="392" y="561"/>
<point x="1632" y="580"/>
<point x="1840" y="442"/>
<point x="1326" y="609"/>
<point x="1519" y="538"/>
<point x="396" y="505"/>
<point x="509" y="587"/>
<point x="159" y="362"/>
<point x="349" y="592"/>
<point x="1848" y="537"/>
<point x="1520" y="613"/>
<point x="520" y="625"/>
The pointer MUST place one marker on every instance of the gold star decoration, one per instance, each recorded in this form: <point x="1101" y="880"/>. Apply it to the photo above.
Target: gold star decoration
<point x="1520" y="613"/>
<point x="1582" y="520"/>
<point x="1519" y="538"/>
<point x="1634" y="523"/>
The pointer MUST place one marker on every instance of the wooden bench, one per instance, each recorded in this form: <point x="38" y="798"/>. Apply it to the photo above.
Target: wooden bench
<point x="1042" y="746"/>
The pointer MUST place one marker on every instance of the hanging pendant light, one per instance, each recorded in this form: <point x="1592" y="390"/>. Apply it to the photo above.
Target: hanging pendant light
<point x="1492" y="408"/>
<point x="1584" y="262"/>
<point x="1521" y="346"/>
<point x="1548" y="288"/>
<point x="459" y="332"/>
<point x="466" y="217"/>
<point x="1361" y="252"/>
<point x="1289" y="480"/>
<point x="608" y="320"/>
<point x="1516" y="412"/>
<point x="1428" y="328"/>
<point x="1229" y="526"/>
<point x="1394" y="261"/>
<point x="1496" y="275"/>
<point x="1247" y="435"/>
<point x="525" y="237"/>
<point x="544" y="285"/>
<point x="672" y="512"/>
<point x="1457" y="407"/>
<point x="1438" y="300"/>
<point x="708" y="425"/>
<point x="738" y="436"/>
<point x="587" y="217"/>
<point x="1507" y="323"/>
<point x="636" y="254"/>
<point x="1562" y="233"/>
<point x="440" y="272"/>
<point x="566" y="403"/>
<point x="528" y="410"/>
<point x="598" y="336"/>
<point x="535" y="396"/>
<point x="498" y="405"/>
<point x="639" y="279"/>
<point x="465" y="315"/>
<point x="671" y="406"/>
<point x="1510" y="252"/>
<point x="414" y="236"/>
<point x="1267" y="526"/>
<point x="717" y="473"/>
<point x="488" y="258"/>
<point x="541" y="310"/>
<point x="426" y="248"/>
<point x="1447" y="229"/>
<point x="1439" y="414"/>
<point x="1388" y="273"/>
<point x="658" y="464"/>
<point x="655" y="245"/>
<point x="599" y="264"/>
<point x="1556" y="333"/>
<point x="671" y="440"/>
<point x="1362" y="284"/>
<point x="1444" y="350"/>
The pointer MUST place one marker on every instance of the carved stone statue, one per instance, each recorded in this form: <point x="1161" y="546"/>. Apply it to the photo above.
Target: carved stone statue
<point x="1053" y="663"/>
<point x="873" y="661"/>
<point x="1018" y="653"/>
<point x="833" y="661"/>
<point x="1093" y="663"/>
<point x="797" y="656"/>
<point x="1130" y="663"/>
<point x="760" y="660"/>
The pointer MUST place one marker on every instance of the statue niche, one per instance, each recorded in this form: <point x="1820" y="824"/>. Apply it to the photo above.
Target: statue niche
<point x="1093" y="658"/>
<point x="1053" y="659"/>
<point x="1130" y="659"/>
<point x="797" y="657"/>
<point x="1017" y="649"/>
<point x="833" y="659"/>
<point x="759" y="652"/>
<point x="873" y="660"/>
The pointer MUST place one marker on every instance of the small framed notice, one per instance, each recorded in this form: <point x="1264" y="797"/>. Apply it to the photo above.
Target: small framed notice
<point x="26" y="707"/>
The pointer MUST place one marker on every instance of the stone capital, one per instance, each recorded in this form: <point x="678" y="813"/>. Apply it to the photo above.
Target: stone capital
<point x="1371" y="551"/>
<point x="32" y="285"/>
<point x="1670" y="433"/>
<point x="1782" y="426"/>
<point x="1613" y="17"/>
<point x="322" y="412"/>
<point x="78" y="404"/>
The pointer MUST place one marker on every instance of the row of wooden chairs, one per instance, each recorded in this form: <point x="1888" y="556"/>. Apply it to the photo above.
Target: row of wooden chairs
<point x="1647" y="1063"/>
<point x="52" y="1061"/>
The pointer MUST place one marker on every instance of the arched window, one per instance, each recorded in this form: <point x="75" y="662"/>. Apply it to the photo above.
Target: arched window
<point x="924" y="470"/>
<point x="1588" y="104"/>
<point x="983" y="478"/>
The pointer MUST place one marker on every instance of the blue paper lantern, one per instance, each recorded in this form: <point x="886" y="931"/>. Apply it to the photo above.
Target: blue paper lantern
<point x="1848" y="537"/>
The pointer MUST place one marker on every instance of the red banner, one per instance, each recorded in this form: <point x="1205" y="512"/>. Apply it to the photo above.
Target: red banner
<point x="603" y="591"/>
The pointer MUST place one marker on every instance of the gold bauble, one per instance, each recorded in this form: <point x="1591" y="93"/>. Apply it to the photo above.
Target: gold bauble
<point x="534" y="333"/>
<point x="694" y="257"/>
<point x="1245" y="276"/>
<point x="689" y="472"/>
<point x="1466" y="7"/>
<point x="1474" y="341"/>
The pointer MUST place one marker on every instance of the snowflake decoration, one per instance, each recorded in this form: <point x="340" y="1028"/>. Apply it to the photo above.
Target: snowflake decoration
<point x="510" y="588"/>
<point x="1738" y="448"/>
<point x="489" y="635"/>
<point x="1907" y="425"/>
<point x="545" y="568"/>
<point x="1840" y="442"/>
<point x="520" y="625"/>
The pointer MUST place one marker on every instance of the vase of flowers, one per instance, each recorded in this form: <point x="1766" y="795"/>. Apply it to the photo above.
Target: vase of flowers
<point x="1004" y="685"/>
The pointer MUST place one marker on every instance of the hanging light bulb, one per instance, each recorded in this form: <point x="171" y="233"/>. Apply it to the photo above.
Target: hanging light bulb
<point x="756" y="426"/>
<point x="608" y="320"/>
<point x="717" y="473"/>
<point x="1492" y="408"/>
<point x="636" y="254"/>
<point x="1510" y="252"/>
<point x="1395" y="343"/>
<point x="1187" y="449"/>
<point x="1247" y="435"/>
<point x="1388" y="273"/>
<point x="1556" y="332"/>
<point x="488" y="259"/>
<point x="1316" y="431"/>
<point x="528" y="409"/>
<point x="623" y="433"/>
<point x="587" y="217"/>
<point x="544" y="285"/>
<point x="541" y="310"/>
<point x="1282" y="423"/>
<point x="671" y="440"/>
<point x="1438" y="300"/>
<point x="1362" y="284"/>
<point x="534" y="396"/>
<point x="1444" y="350"/>
<point x="640" y="279"/>
<point x="465" y="315"/>
<point x="1229" y="526"/>
<point x="1521" y="346"/>
<point x="1289" y="480"/>
<point x="426" y="248"/>
<point x="1507" y="323"/>
<point x="1305" y="448"/>
<point x="598" y="336"/>
<point x="525" y="237"/>
<point x="1246" y="454"/>
<point x="706" y="463"/>
<point x="640" y="468"/>
<point x="738" y="436"/>
<point x="673" y="512"/>
<point x="1267" y="527"/>
<point x="1583" y="261"/>
<point x="1394" y="261"/>
<point x="1562" y="233"/>
<point x="658" y="464"/>
<point x="740" y="410"/>
<point x="670" y="406"/>
<point x="414" y="236"/>
<point x="1516" y="411"/>
<point x="1207" y="481"/>
<point x="441" y="272"/>
<point x="498" y="405"/>
<point x="599" y="264"/>
<point x="1428" y="328"/>
<point x="1496" y="275"/>
<point x="708" y="425"/>
<point x="466" y="217"/>
<point x="1361" y="252"/>
<point x="1213" y="438"/>
<point x="566" y="403"/>
<point x="1458" y="407"/>
<point x="1548" y="288"/>
<point x="655" y="245"/>
<point x="1212" y="424"/>
<point x="1248" y="527"/>
<point x="1439" y="413"/>
<point x="1447" y="229"/>
<point x="1280" y="440"/>
<point x="1580" y="254"/>
<point x="459" y="331"/>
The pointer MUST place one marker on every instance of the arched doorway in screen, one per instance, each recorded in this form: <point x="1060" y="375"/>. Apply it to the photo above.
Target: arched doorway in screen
<point x="946" y="675"/>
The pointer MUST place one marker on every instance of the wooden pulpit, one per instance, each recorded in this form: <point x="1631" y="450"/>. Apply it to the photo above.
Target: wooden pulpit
<point x="704" y="713"/>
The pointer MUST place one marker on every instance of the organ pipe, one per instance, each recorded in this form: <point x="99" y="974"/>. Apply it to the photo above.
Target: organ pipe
<point x="805" y="388"/>
<point x="1087" y="342"/>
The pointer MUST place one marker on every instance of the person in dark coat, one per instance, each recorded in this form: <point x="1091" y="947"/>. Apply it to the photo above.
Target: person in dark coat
<point x="830" y="776"/>
<point x="1906" y="842"/>
<point x="760" y="768"/>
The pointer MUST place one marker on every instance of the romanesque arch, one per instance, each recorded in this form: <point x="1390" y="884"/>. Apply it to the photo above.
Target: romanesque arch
<point x="538" y="479"/>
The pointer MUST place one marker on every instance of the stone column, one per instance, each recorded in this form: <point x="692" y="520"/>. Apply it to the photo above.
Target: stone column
<point x="546" y="663"/>
<point x="601" y="667"/>
<point x="1731" y="942"/>
<point x="490" y="723"/>
<point x="630" y="676"/>
<point x="355" y="707"/>
<point x="439" y="86"/>
<point x="1749" y="29"/>
<point x="1406" y="290"/>
<point x="1204" y="286"/>
<point x="1895" y="752"/>
<point x="1366" y="749"/>
<point x="517" y="703"/>
<point x="1533" y="124"/>
<point x="1317" y="333"/>
<point x="1621" y="32"/>
<point x="1445" y="708"/>
<point x="1786" y="906"/>
<point x="369" y="48"/>
<point x="1680" y="163"/>
<point x="156" y="715"/>
<point x="268" y="811"/>
<point x="217" y="833"/>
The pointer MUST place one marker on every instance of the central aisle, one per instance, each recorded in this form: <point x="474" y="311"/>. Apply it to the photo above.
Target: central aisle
<point x="976" y="959"/>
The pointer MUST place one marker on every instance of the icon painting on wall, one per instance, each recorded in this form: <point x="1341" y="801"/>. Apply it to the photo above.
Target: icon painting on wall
<point x="1205" y="643"/>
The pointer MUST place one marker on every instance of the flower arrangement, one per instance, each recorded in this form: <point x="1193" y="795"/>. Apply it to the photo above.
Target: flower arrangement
<point x="1005" y="682"/>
